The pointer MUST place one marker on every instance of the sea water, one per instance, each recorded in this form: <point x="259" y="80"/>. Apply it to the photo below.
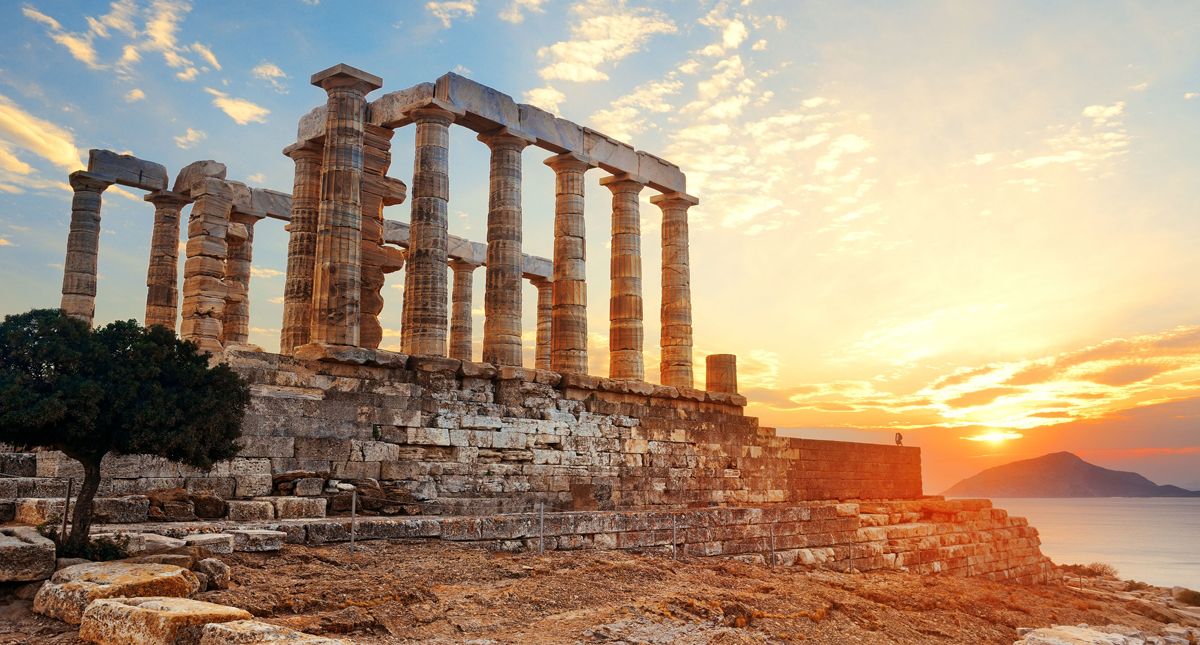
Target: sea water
<point x="1151" y="539"/>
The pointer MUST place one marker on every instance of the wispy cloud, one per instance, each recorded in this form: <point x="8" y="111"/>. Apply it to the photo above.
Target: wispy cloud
<point x="5" y="242"/>
<point x="271" y="73"/>
<point x="447" y="11"/>
<point x="47" y="140"/>
<point x="625" y="117"/>
<point x="136" y="94"/>
<point x="265" y="272"/>
<point x="604" y="33"/>
<point x="240" y="110"/>
<point x="516" y="10"/>
<point x="190" y="138"/>
<point x="547" y="98"/>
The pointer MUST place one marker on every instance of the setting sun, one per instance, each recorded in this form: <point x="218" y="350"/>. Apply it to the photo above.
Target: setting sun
<point x="995" y="436"/>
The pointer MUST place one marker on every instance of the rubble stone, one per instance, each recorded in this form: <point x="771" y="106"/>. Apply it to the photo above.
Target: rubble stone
<point x="25" y="555"/>
<point x="152" y="620"/>
<point x="70" y="590"/>
<point x="252" y="632"/>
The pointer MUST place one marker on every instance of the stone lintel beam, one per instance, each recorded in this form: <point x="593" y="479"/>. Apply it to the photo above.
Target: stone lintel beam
<point x="127" y="170"/>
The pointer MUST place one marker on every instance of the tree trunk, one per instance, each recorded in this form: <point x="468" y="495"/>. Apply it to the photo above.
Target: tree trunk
<point x="81" y="519"/>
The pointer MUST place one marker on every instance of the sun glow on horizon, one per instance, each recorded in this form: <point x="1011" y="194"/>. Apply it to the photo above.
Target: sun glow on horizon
<point x="995" y="437"/>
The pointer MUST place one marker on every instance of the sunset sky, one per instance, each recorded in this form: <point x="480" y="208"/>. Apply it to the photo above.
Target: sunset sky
<point x="959" y="221"/>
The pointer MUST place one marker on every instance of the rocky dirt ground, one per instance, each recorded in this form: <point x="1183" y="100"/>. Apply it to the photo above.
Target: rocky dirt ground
<point x="443" y="593"/>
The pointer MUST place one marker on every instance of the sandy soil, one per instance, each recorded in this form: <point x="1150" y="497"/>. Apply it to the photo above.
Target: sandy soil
<point x="443" y="593"/>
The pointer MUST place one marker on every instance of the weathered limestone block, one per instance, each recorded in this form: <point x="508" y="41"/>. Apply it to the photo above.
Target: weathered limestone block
<point x="485" y="108"/>
<point x="250" y="510"/>
<point x="608" y="153"/>
<point x="127" y="170"/>
<point x="195" y="172"/>
<point x="219" y="543"/>
<point x="251" y="632"/>
<point x="258" y="540"/>
<point x="660" y="174"/>
<point x="25" y="555"/>
<point x="106" y="510"/>
<point x="216" y="571"/>
<point x="550" y="131"/>
<point x="153" y="620"/>
<point x="294" y="508"/>
<point x="392" y="110"/>
<point x="70" y="590"/>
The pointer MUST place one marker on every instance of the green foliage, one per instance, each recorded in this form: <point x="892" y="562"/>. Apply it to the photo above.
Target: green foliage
<point x="120" y="388"/>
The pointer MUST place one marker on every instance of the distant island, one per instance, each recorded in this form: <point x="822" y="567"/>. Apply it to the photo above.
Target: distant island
<point x="1060" y="474"/>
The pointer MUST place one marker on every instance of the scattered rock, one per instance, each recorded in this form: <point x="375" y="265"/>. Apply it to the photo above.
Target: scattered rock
<point x="70" y="590"/>
<point x="216" y="571"/>
<point x="252" y="631"/>
<point x="25" y="555"/>
<point x="153" y="621"/>
<point x="257" y="540"/>
<point x="221" y="543"/>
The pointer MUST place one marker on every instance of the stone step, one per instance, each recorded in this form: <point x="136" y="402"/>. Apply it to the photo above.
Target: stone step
<point x="35" y="511"/>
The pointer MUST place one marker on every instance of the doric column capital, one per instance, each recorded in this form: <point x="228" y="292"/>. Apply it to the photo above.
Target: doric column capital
<point x="343" y="76"/>
<point x="462" y="265"/>
<point x="167" y="198"/>
<point x="569" y="161"/>
<point x="623" y="183"/>
<point x="311" y="150"/>
<point x="83" y="180"/>
<point x="505" y="139"/>
<point x="674" y="200"/>
<point x="540" y="282"/>
<point x="434" y="112"/>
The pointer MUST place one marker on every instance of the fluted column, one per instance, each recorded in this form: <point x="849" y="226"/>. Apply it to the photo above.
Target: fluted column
<point x="377" y="157"/>
<point x="502" y="285"/>
<point x="236" y="327"/>
<point x="676" y="312"/>
<point x="83" y="247"/>
<point x="625" y="272"/>
<point x="460" y="318"/>
<point x="424" y="318"/>
<point x="302" y="245"/>
<point x="204" y="287"/>
<point x="545" y="312"/>
<point x="568" y="321"/>
<point x="162" y="276"/>
<point x="337" y="280"/>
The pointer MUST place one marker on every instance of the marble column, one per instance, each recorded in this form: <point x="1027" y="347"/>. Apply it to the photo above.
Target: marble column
<point x="460" y="318"/>
<point x="568" y="321"/>
<point x="502" y="278"/>
<point x="676" y="313"/>
<point x="83" y="247"/>
<point x="204" y="287"/>
<point x="235" y="329"/>
<point x="625" y="272"/>
<point x="545" y="312"/>
<point x="721" y="373"/>
<point x="337" y="279"/>
<point x="424" y="318"/>
<point x="302" y="244"/>
<point x="162" y="277"/>
<point x="377" y="156"/>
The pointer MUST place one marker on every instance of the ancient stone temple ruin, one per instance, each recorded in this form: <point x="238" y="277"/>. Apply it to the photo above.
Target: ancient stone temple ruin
<point x="441" y="446"/>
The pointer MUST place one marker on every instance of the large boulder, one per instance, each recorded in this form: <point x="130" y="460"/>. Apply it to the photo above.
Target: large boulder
<point x="251" y="631"/>
<point x="25" y="555"/>
<point x="70" y="590"/>
<point x="152" y="621"/>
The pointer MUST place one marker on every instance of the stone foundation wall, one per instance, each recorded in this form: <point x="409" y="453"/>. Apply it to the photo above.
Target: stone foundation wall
<point x="928" y="536"/>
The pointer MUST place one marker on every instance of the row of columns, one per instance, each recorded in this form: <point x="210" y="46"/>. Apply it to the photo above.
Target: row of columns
<point x="331" y="243"/>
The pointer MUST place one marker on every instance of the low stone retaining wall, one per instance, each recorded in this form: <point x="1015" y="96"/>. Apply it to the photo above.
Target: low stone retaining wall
<point x="955" y="537"/>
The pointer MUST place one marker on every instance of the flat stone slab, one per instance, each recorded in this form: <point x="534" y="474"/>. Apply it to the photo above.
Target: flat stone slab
<point x="252" y="631"/>
<point x="138" y="544"/>
<point x="258" y="540"/>
<point x="127" y="170"/>
<point x="250" y="510"/>
<point x="221" y="543"/>
<point x="69" y="591"/>
<point x="295" y="508"/>
<point x="25" y="555"/>
<point x="153" y="621"/>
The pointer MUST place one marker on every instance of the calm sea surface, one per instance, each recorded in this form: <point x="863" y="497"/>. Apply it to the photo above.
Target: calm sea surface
<point x="1155" y="540"/>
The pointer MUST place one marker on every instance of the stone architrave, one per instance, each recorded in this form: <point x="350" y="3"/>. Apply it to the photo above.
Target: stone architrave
<point x="236" y="327"/>
<point x="460" y="316"/>
<point x="676" y="312"/>
<point x="83" y="246"/>
<point x="162" y="276"/>
<point x="568" y="322"/>
<point x="424" y="318"/>
<point x="502" y="288"/>
<point x="302" y="244"/>
<point x="204" y="287"/>
<point x="625" y="271"/>
<point x="721" y="373"/>
<point x="337" y="278"/>
<point x="377" y="157"/>
<point x="545" y="312"/>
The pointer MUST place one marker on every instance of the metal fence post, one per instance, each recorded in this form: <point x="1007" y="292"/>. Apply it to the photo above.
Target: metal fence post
<point x="541" y="528"/>
<point x="62" y="537"/>
<point x="674" y="539"/>
<point x="353" y="517"/>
